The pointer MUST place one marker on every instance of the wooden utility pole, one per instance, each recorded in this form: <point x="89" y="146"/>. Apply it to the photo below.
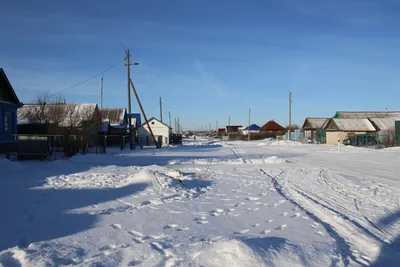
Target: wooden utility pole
<point x="169" y="113"/>
<point x="144" y="115"/>
<point x="160" y="109"/>
<point x="128" y="64"/>
<point x="290" y="116"/>
<point x="179" y="126"/>
<point x="175" y="126"/>
<point x="248" y="130"/>
<point x="229" y="124"/>
<point x="101" y="93"/>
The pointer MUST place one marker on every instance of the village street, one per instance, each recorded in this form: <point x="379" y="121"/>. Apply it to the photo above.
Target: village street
<point x="261" y="203"/>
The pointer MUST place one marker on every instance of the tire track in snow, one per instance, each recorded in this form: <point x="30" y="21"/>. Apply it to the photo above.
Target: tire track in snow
<point x="342" y="248"/>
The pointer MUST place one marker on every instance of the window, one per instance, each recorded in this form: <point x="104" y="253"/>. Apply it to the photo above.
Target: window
<point x="7" y="122"/>
<point x="152" y="122"/>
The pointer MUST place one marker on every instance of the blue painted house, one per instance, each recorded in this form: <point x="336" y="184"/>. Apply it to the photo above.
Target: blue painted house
<point x="9" y="103"/>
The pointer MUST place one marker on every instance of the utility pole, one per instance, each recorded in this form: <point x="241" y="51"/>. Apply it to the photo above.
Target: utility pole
<point x="290" y="116"/>
<point x="101" y="93"/>
<point x="248" y="130"/>
<point x="179" y="126"/>
<point x="160" y="109"/>
<point x="175" y="126"/>
<point x="169" y="113"/>
<point x="144" y="115"/>
<point x="209" y="131"/>
<point x="128" y="64"/>
<point x="216" y="126"/>
<point x="229" y="124"/>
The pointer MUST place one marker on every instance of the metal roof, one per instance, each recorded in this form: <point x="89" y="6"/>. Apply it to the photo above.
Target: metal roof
<point x="314" y="123"/>
<point x="365" y="115"/>
<point x="253" y="127"/>
<point x="350" y="125"/>
<point x="385" y="123"/>
<point x="115" y="116"/>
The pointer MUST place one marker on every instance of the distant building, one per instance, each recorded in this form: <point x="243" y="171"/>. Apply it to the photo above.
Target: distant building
<point x="339" y="129"/>
<point x="114" y="121"/>
<point x="9" y="103"/>
<point x="161" y="131"/>
<point x="273" y="127"/>
<point x="59" y="119"/>
<point x="313" y="128"/>
<point x="254" y="128"/>
<point x="233" y="129"/>
<point x="365" y="114"/>
<point x="136" y="119"/>
<point x="221" y="131"/>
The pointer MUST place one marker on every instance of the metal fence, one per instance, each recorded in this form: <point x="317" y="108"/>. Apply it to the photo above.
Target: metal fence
<point x="29" y="146"/>
<point x="374" y="141"/>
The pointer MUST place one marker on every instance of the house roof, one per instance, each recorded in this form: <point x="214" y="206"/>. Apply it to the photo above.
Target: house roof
<point x="384" y="123"/>
<point x="350" y="125"/>
<point x="314" y="123"/>
<point x="272" y="126"/>
<point x="115" y="116"/>
<point x="153" y="118"/>
<point x="69" y="113"/>
<point x="253" y="127"/>
<point x="365" y="115"/>
<point x="7" y="93"/>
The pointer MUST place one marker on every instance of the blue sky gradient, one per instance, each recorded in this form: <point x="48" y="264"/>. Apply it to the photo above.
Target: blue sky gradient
<point x="209" y="59"/>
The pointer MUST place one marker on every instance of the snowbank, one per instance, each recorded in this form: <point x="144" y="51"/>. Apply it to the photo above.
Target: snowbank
<point x="212" y="161"/>
<point x="274" y="160"/>
<point x="285" y="143"/>
<point x="230" y="253"/>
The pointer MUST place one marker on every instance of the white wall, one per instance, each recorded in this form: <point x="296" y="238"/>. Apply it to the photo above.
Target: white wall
<point x="158" y="129"/>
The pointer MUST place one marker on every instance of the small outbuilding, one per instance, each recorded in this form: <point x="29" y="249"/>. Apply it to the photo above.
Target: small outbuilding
<point x="313" y="127"/>
<point x="161" y="131"/>
<point x="339" y="129"/>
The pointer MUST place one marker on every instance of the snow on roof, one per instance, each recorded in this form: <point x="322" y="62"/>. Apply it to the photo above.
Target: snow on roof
<point x="115" y="116"/>
<point x="385" y="123"/>
<point x="70" y="114"/>
<point x="253" y="127"/>
<point x="350" y="125"/>
<point x="314" y="123"/>
<point x="365" y="115"/>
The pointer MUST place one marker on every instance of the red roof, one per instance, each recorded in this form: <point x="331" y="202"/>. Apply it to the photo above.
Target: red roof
<point x="272" y="126"/>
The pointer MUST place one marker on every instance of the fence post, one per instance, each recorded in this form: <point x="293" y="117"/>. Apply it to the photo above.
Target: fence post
<point x="105" y="144"/>
<point x="75" y="145"/>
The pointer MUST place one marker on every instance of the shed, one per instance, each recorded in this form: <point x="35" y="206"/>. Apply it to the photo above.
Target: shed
<point x="114" y="121"/>
<point x="160" y="130"/>
<point x="9" y="103"/>
<point x="232" y="129"/>
<point x="313" y="126"/>
<point x="340" y="129"/>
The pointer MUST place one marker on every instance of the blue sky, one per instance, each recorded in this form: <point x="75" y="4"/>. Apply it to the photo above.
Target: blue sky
<point x="209" y="59"/>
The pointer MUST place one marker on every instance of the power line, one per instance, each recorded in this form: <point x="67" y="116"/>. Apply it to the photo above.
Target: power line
<point x="97" y="75"/>
<point x="105" y="23"/>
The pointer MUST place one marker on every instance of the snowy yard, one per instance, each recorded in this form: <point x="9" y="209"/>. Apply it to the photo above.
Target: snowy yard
<point x="261" y="203"/>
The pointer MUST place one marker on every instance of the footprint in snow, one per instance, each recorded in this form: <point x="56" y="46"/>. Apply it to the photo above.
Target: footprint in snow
<point x="320" y="233"/>
<point x="202" y="222"/>
<point x="296" y="215"/>
<point x="231" y="209"/>
<point x="305" y="218"/>
<point x="243" y="231"/>
<point x="170" y="226"/>
<point x="135" y="233"/>
<point x="116" y="226"/>
<point x="265" y="231"/>
<point x="180" y="229"/>
<point x="255" y="225"/>
<point x="252" y="198"/>
<point x="314" y="225"/>
<point x="283" y="214"/>
<point x="201" y="218"/>
<point x="255" y="209"/>
<point x="281" y="227"/>
<point x="270" y="221"/>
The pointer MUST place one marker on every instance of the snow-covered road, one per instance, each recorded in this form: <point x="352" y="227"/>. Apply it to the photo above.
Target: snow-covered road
<point x="261" y="203"/>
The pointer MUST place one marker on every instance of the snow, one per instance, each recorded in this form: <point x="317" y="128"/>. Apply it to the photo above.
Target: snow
<point x="258" y="203"/>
